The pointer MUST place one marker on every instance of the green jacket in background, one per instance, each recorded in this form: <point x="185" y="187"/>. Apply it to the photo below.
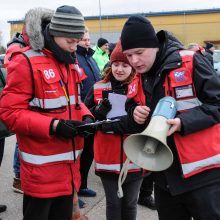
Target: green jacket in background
<point x="100" y="57"/>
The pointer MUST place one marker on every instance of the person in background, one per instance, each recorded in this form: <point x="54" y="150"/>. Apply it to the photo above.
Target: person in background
<point x="111" y="47"/>
<point x="18" y="41"/>
<point x="2" y="146"/>
<point x="190" y="187"/>
<point x="145" y="197"/>
<point x="108" y="144"/>
<point x="42" y="106"/>
<point x="101" y="56"/>
<point x="193" y="46"/>
<point x="88" y="65"/>
<point x="197" y="48"/>
<point x="209" y="48"/>
<point x="16" y="186"/>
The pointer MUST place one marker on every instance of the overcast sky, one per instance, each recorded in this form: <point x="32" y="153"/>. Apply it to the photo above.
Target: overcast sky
<point x="16" y="9"/>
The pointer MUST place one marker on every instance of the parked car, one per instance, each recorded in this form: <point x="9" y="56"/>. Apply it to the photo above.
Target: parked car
<point x="216" y="59"/>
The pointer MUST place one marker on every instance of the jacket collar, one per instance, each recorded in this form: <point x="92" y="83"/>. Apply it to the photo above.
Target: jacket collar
<point x="84" y="52"/>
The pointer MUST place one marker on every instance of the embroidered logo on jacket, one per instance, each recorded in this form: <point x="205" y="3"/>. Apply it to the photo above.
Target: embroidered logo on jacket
<point x="131" y="89"/>
<point x="180" y="76"/>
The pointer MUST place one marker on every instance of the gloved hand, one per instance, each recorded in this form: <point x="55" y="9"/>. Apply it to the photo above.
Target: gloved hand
<point x="88" y="119"/>
<point x="67" y="128"/>
<point x="102" y="109"/>
<point x="87" y="130"/>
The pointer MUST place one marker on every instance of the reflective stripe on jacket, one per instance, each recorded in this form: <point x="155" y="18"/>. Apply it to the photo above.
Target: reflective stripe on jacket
<point x="108" y="148"/>
<point x="36" y="159"/>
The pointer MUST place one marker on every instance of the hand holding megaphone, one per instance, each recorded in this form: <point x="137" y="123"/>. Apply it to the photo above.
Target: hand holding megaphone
<point x="149" y="149"/>
<point x="140" y="114"/>
<point x="175" y="125"/>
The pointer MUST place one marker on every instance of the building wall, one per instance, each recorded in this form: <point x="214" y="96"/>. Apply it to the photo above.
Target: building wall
<point x="188" y="27"/>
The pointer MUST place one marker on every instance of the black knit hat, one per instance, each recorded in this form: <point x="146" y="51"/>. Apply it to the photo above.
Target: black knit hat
<point x="101" y="42"/>
<point x="138" y="32"/>
<point x="67" y="21"/>
<point x="209" y="45"/>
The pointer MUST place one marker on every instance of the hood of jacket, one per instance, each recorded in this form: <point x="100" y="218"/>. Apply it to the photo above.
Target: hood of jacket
<point x="36" y="21"/>
<point x="17" y="38"/>
<point x="169" y="45"/>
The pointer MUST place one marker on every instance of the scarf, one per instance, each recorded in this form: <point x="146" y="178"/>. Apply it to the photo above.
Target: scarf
<point x="61" y="55"/>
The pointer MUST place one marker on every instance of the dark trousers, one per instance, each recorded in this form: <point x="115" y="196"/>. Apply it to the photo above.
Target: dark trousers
<point x="2" y="146"/>
<point x="147" y="186"/>
<point x="201" y="204"/>
<point x="86" y="160"/>
<point x="126" y="207"/>
<point x="58" y="208"/>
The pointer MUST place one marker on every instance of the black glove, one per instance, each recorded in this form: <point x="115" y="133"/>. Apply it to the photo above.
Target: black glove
<point x="102" y="109"/>
<point x="87" y="130"/>
<point x="88" y="119"/>
<point x="67" y="128"/>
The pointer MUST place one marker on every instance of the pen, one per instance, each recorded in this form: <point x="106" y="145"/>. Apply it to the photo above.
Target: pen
<point x="64" y="89"/>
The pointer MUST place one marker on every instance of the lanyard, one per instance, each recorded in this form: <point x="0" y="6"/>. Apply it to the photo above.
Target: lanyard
<point x="64" y="89"/>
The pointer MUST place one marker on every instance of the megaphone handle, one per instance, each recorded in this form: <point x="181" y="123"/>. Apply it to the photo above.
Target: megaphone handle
<point x="122" y="177"/>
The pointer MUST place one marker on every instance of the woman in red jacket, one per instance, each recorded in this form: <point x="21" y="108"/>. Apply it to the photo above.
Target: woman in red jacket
<point x="107" y="100"/>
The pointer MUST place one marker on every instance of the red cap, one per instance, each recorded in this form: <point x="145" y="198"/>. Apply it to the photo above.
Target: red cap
<point x="117" y="54"/>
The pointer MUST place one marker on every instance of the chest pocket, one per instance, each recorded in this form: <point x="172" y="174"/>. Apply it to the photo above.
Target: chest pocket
<point x="49" y="93"/>
<point x="181" y="83"/>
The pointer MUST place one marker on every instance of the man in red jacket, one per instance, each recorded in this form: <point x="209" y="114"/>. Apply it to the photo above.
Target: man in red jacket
<point x="42" y="105"/>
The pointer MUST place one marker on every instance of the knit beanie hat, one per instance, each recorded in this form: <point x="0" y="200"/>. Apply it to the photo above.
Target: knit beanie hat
<point x="138" y="32"/>
<point x="209" y="45"/>
<point x="67" y="21"/>
<point x="101" y="42"/>
<point x="117" y="54"/>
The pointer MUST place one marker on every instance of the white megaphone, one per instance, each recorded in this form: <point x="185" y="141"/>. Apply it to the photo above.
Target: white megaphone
<point x="149" y="149"/>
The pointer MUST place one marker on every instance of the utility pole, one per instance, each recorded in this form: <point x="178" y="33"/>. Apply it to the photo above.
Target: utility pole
<point x="100" y="19"/>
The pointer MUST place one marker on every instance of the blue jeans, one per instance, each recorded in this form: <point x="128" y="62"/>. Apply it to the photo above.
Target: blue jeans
<point x="16" y="162"/>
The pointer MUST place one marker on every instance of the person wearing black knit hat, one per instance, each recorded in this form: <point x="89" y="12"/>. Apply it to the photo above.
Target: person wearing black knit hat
<point x="47" y="102"/>
<point x="101" y="42"/>
<point x="209" y="48"/>
<point x="101" y="53"/>
<point x="164" y="68"/>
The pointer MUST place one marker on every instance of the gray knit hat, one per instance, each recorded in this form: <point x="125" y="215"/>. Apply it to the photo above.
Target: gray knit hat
<point x="67" y="21"/>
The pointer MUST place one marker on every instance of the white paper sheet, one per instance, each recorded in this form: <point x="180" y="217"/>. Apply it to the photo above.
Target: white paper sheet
<point x="118" y="105"/>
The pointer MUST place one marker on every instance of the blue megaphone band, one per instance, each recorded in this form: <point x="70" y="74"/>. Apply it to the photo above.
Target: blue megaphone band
<point x="166" y="107"/>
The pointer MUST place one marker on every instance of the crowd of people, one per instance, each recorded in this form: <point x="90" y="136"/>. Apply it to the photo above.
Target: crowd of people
<point x="65" y="87"/>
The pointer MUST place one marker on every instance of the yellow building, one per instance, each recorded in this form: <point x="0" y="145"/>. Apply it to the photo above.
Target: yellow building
<point x="197" y="26"/>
